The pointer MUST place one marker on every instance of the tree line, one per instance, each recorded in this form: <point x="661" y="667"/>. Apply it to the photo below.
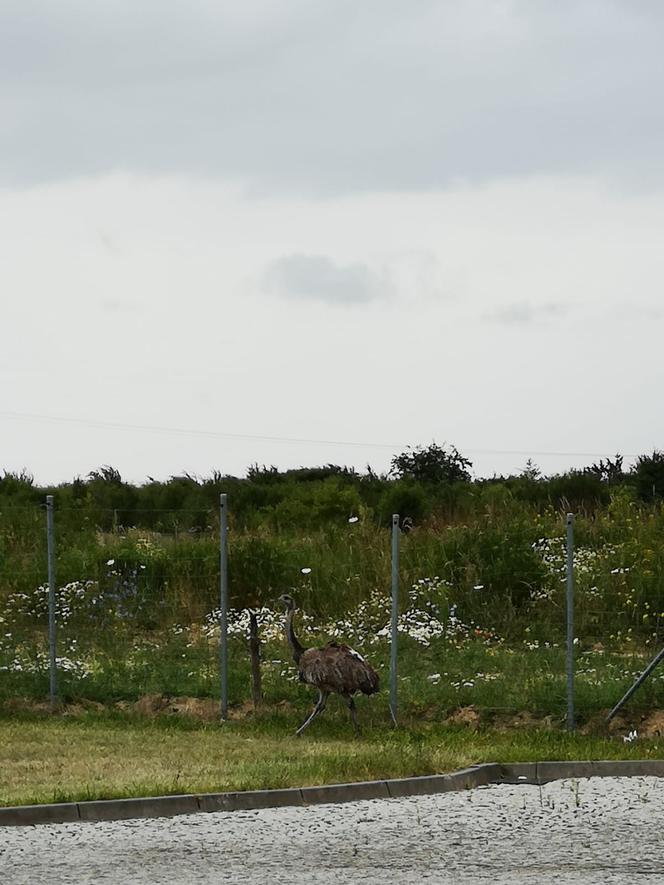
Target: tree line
<point x="423" y="482"/>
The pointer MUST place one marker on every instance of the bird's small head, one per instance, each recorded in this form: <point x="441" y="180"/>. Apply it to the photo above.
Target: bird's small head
<point x="287" y="601"/>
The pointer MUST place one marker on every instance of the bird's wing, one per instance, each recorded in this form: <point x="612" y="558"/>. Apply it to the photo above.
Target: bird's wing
<point x="338" y="668"/>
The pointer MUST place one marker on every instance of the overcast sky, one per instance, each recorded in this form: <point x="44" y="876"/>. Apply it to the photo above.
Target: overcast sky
<point x="308" y="231"/>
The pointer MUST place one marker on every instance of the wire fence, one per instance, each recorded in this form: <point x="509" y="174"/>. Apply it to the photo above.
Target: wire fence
<point x="191" y="619"/>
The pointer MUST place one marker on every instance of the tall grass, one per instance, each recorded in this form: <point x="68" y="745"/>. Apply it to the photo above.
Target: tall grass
<point x="135" y="601"/>
<point x="506" y="550"/>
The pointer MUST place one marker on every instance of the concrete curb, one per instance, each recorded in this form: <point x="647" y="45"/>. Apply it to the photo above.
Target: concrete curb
<point x="545" y="772"/>
<point x="466" y="779"/>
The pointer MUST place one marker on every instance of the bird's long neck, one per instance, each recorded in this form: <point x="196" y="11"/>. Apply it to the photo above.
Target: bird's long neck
<point x="296" y="646"/>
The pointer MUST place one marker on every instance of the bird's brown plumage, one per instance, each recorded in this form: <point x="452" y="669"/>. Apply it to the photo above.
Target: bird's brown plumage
<point x="334" y="668"/>
<point x="337" y="668"/>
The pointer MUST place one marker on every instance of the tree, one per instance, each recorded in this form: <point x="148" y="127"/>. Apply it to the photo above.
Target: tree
<point x="106" y="473"/>
<point x="609" y="471"/>
<point x="113" y="499"/>
<point x="648" y="473"/>
<point x="531" y="471"/>
<point x="432" y="464"/>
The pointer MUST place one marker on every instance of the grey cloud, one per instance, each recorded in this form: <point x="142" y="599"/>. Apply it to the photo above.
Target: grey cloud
<point x="525" y="313"/>
<point x="332" y="96"/>
<point x="317" y="278"/>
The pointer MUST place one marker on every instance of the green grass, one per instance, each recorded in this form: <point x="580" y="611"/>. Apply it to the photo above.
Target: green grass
<point x="134" y="605"/>
<point x="433" y="680"/>
<point x="104" y="756"/>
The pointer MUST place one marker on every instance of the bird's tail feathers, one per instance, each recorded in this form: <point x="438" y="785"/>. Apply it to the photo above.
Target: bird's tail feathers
<point x="371" y="684"/>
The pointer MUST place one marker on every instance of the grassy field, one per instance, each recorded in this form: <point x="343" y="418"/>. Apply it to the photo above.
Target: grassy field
<point x="481" y="641"/>
<point x="44" y="759"/>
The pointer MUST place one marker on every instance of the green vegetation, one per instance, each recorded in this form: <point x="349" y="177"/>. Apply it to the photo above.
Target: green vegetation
<point x="118" y="756"/>
<point x="482" y="572"/>
<point x="482" y="624"/>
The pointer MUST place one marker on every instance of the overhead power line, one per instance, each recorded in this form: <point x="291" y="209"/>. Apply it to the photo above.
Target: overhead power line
<point x="216" y="434"/>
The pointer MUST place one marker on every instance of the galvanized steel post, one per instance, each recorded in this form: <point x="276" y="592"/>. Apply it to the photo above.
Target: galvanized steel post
<point x="570" y="622"/>
<point x="223" y="594"/>
<point x="641" y="679"/>
<point x="395" y="616"/>
<point x="50" y="545"/>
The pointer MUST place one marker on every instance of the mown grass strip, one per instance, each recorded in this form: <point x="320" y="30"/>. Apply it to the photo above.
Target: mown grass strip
<point x="106" y="757"/>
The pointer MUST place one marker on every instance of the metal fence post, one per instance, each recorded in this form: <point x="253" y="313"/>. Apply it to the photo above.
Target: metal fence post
<point x="223" y="593"/>
<point x="395" y="616"/>
<point x="50" y="544"/>
<point x="570" y="622"/>
<point x="640" y="680"/>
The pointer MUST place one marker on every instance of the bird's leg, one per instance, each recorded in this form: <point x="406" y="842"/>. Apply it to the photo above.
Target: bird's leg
<point x="353" y="713"/>
<point x="320" y="706"/>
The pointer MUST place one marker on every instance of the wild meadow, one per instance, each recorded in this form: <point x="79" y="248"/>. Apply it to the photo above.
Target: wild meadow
<point x="482" y="619"/>
<point x="481" y="624"/>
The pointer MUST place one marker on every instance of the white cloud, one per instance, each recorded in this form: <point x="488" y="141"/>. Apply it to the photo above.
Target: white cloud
<point x="171" y="326"/>
<point x="524" y="312"/>
<point x="316" y="277"/>
<point x="493" y="166"/>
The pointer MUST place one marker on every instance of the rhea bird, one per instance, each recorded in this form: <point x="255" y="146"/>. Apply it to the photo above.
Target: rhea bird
<point x="332" y="669"/>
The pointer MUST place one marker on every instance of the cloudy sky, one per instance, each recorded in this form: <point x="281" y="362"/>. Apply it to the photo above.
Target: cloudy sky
<point x="306" y="231"/>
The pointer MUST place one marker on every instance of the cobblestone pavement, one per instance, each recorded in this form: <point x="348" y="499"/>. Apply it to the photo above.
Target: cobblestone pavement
<point x="603" y="830"/>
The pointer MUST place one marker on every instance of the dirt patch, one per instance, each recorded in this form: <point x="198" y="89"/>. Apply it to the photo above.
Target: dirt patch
<point x="651" y="725"/>
<point x="241" y="711"/>
<point x="206" y="709"/>
<point x="149" y="704"/>
<point x="472" y="718"/>
<point x="598" y="726"/>
<point x="467" y="716"/>
<point x="523" y="719"/>
<point x="84" y="706"/>
<point x="27" y="705"/>
<point x="648" y="725"/>
<point x="43" y="707"/>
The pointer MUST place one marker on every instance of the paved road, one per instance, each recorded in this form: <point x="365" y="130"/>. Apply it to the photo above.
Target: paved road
<point x="605" y="830"/>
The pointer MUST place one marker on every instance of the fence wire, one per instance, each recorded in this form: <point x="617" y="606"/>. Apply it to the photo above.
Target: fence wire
<point x="138" y="620"/>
